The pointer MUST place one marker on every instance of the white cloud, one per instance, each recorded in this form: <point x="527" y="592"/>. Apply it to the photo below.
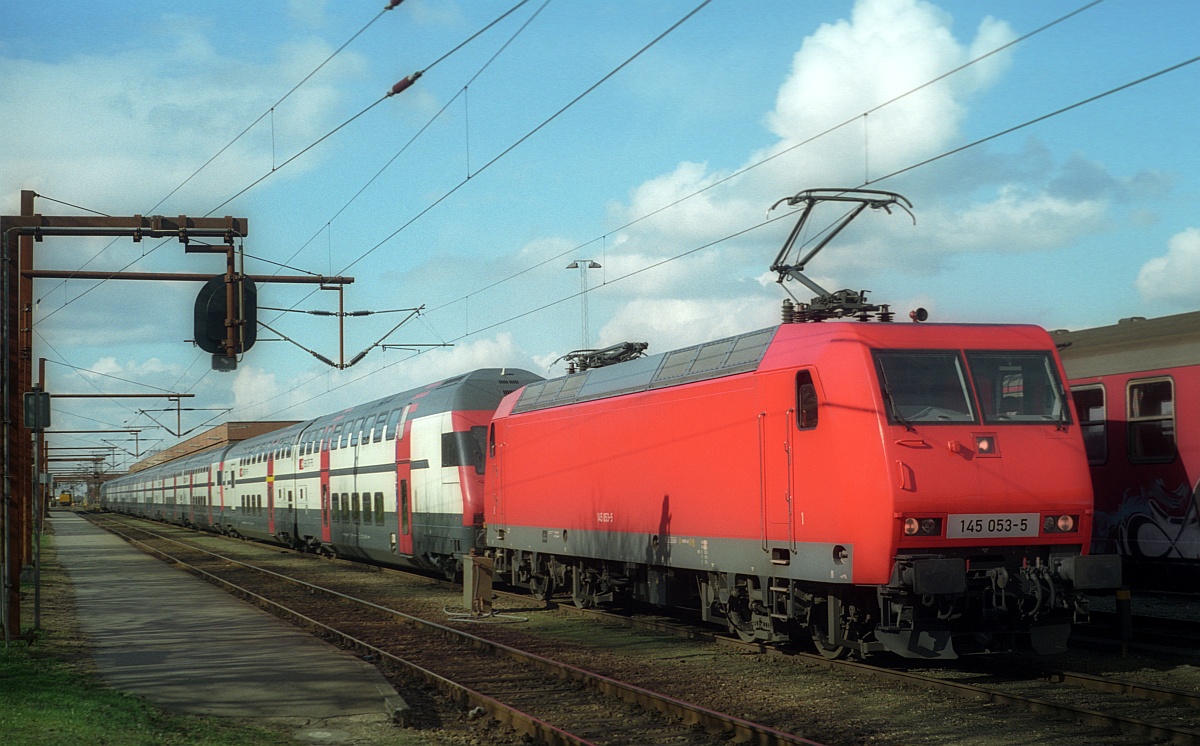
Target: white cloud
<point x="886" y="49"/>
<point x="118" y="133"/>
<point x="669" y="323"/>
<point x="1175" y="276"/>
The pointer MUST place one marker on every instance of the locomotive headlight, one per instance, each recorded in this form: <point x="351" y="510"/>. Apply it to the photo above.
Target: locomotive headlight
<point x="922" y="526"/>
<point x="1060" y="524"/>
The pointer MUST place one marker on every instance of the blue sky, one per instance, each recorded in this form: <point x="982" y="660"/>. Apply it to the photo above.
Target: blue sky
<point x="474" y="213"/>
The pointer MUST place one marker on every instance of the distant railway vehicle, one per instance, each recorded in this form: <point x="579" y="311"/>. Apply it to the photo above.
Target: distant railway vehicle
<point x="916" y="488"/>
<point x="64" y="499"/>
<point x="1136" y="387"/>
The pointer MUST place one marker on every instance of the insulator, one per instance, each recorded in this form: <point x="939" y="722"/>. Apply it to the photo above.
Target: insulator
<point x="392" y="4"/>
<point x="404" y="84"/>
<point x="789" y="311"/>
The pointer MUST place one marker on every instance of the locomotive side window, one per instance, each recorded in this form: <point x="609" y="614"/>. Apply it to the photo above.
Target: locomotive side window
<point x="1090" y="406"/>
<point x="1151" y="418"/>
<point x="1018" y="387"/>
<point x="923" y="386"/>
<point x="806" y="401"/>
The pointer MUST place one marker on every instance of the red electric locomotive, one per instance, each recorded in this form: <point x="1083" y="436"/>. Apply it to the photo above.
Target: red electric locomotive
<point x="1136" y="386"/>
<point x="916" y="488"/>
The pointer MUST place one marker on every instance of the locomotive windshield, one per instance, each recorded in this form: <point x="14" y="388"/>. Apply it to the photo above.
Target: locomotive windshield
<point x="1017" y="387"/>
<point x="924" y="386"/>
<point x="921" y="386"/>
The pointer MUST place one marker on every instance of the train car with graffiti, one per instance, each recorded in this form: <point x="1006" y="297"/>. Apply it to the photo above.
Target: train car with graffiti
<point x="1136" y="387"/>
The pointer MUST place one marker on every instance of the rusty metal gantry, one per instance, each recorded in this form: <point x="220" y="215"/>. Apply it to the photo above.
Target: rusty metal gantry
<point x="18" y="233"/>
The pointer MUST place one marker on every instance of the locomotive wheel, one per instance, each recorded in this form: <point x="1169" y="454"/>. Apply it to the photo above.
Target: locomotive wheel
<point x="583" y="589"/>
<point x="826" y="648"/>
<point x="738" y="615"/>
<point x="541" y="587"/>
<point x="819" y="626"/>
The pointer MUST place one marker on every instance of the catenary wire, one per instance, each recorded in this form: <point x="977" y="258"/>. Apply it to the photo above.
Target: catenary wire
<point x="744" y="231"/>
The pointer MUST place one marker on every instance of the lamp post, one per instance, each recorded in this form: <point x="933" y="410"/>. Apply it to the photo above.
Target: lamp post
<point x="583" y="265"/>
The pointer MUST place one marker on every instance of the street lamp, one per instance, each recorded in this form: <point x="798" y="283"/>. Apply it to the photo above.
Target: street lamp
<point x="583" y="265"/>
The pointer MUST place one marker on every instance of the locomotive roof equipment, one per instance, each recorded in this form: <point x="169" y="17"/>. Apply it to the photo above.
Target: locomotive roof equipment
<point x="826" y="304"/>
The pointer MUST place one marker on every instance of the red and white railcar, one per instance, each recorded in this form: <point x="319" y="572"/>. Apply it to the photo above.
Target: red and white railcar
<point x="398" y="480"/>
<point x="1136" y="386"/>
<point x="916" y="488"/>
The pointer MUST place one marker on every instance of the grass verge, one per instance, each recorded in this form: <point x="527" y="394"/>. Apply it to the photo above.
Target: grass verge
<point x="50" y="693"/>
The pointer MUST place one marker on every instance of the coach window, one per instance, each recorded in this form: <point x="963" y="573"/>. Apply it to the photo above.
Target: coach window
<point x="377" y="430"/>
<point x="1151" y="418"/>
<point x="334" y="440"/>
<point x="354" y="514"/>
<point x="345" y="508"/>
<point x="379" y="508"/>
<point x="806" y="401"/>
<point x="366" y="507"/>
<point x="333" y="508"/>
<point x="393" y="418"/>
<point x="1090" y="406"/>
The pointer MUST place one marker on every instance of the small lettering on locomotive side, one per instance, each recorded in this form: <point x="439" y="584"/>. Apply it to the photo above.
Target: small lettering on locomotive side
<point x="604" y="517"/>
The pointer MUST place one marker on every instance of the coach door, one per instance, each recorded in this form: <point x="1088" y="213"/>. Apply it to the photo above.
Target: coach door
<point x="404" y="543"/>
<point x="271" y="494"/>
<point x="326" y="532"/>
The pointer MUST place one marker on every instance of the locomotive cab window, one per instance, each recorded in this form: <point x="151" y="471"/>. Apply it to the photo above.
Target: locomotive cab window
<point x="1151" y="418"/>
<point x="923" y="386"/>
<point x="1090" y="407"/>
<point x="806" y="401"/>
<point x="1018" y="387"/>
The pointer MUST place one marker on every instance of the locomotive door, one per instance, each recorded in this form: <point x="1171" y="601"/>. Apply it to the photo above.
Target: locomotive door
<point x="404" y="539"/>
<point x="777" y="414"/>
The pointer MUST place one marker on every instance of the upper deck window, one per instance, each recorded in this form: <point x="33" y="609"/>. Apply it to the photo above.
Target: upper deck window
<point x="1018" y="387"/>
<point x="924" y="386"/>
<point x="1151" y="420"/>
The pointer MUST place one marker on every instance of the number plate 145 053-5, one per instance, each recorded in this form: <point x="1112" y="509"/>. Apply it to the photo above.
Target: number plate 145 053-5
<point x="991" y="525"/>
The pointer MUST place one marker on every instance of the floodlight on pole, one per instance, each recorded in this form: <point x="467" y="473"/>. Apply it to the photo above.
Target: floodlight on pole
<point x="583" y="265"/>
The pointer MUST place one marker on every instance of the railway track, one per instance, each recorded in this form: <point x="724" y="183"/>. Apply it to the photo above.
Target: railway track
<point x="1162" y="713"/>
<point x="1142" y="711"/>
<point x="1149" y="634"/>
<point x="549" y="701"/>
